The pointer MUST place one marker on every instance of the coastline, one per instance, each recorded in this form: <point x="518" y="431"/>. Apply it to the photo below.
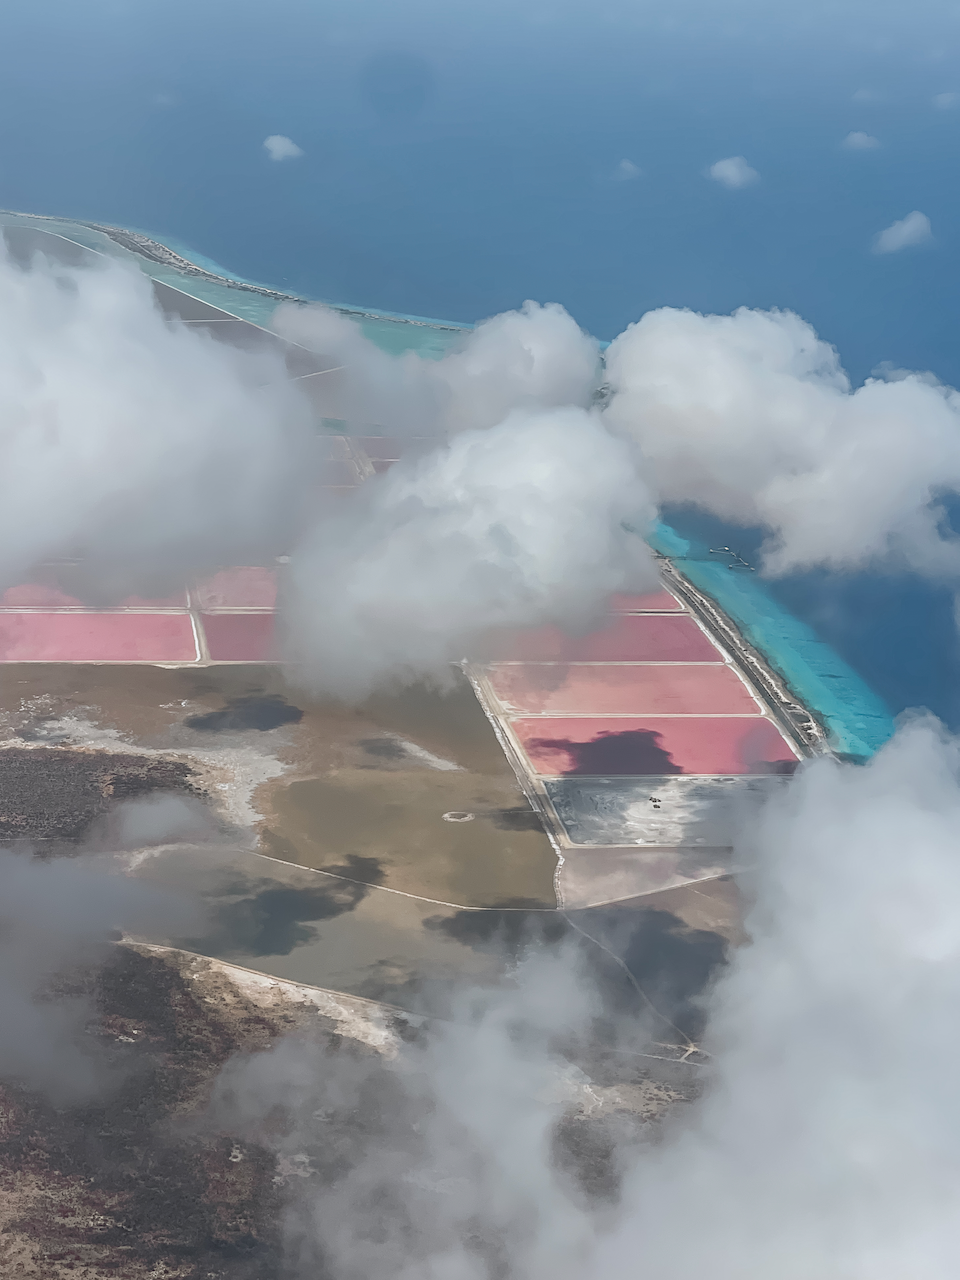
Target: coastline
<point x="802" y="676"/>
<point x="818" y="698"/>
<point x="155" y="251"/>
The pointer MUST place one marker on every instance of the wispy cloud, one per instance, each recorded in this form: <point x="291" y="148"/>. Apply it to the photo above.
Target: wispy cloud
<point x="865" y="95"/>
<point x="946" y="100"/>
<point x="626" y="171"/>
<point x="912" y="230"/>
<point x="279" y="147"/>
<point x="734" y="172"/>
<point x="858" y="141"/>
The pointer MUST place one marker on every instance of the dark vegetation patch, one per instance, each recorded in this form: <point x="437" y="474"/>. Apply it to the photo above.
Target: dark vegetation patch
<point x="139" y="1186"/>
<point x="55" y="793"/>
<point x="124" y="1188"/>
<point x="588" y="1150"/>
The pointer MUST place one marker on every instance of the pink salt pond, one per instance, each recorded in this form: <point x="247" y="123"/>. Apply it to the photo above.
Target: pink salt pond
<point x="96" y="637"/>
<point x="628" y="637"/>
<point x="251" y="587"/>
<point x="682" y="689"/>
<point x="651" y="602"/>
<point x="653" y="745"/>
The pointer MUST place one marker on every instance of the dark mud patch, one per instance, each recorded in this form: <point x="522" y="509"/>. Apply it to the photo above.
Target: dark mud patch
<point x="520" y="818"/>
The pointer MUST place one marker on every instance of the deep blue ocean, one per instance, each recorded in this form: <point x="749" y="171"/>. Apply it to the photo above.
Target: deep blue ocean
<point x="457" y="160"/>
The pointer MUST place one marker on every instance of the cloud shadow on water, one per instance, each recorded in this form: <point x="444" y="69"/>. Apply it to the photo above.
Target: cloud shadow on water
<point x="633" y="752"/>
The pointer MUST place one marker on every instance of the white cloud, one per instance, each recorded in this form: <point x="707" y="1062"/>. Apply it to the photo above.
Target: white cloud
<point x="280" y="148"/>
<point x="627" y="170"/>
<point x="515" y="520"/>
<point x="517" y="524"/>
<point x="146" y="447"/>
<point x="912" y="230"/>
<point x="138" y="444"/>
<point x="946" y="100"/>
<point x="54" y="920"/>
<point x="734" y="172"/>
<point x="823" y="1141"/>
<point x="858" y="141"/>
<point x="752" y="417"/>
<point x="535" y="358"/>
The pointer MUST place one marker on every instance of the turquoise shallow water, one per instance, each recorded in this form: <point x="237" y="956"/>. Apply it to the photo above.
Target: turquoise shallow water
<point x="856" y="719"/>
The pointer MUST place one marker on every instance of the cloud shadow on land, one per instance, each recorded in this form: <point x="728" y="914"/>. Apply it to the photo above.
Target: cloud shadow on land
<point x="256" y="711"/>
<point x="672" y="963"/>
<point x="265" y="918"/>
